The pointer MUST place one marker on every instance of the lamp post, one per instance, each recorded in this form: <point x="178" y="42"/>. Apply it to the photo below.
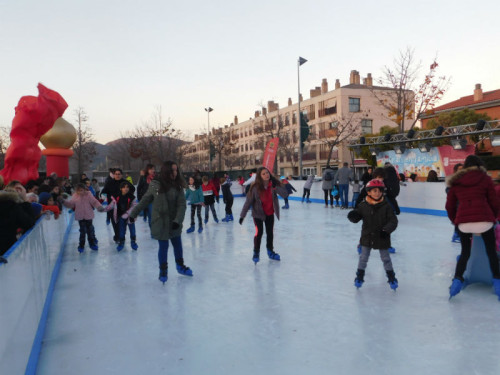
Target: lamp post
<point x="208" y="110"/>
<point x="300" y="61"/>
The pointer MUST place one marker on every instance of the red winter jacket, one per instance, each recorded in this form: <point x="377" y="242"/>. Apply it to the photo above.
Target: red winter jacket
<point x="474" y="192"/>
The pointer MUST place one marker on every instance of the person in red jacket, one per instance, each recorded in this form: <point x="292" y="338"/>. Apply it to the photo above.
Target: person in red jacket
<point x="210" y="194"/>
<point x="476" y="212"/>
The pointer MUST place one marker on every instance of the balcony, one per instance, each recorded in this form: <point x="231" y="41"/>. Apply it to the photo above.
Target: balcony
<point x="328" y="133"/>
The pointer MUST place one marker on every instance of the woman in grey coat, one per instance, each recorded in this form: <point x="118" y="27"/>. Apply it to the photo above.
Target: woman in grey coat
<point x="166" y="192"/>
<point x="328" y="182"/>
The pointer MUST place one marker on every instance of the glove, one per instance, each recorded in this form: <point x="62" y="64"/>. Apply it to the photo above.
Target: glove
<point x="384" y="234"/>
<point x="175" y="225"/>
<point x="241" y="220"/>
<point x="354" y="216"/>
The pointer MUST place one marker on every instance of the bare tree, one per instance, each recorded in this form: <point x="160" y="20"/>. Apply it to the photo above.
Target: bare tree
<point x="4" y="143"/>
<point x="337" y="131"/>
<point x="409" y="99"/>
<point x="84" y="148"/>
<point x="155" y="140"/>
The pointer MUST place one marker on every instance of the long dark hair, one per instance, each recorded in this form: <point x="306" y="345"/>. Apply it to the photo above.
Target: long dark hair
<point x="165" y="177"/>
<point x="473" y="161"/>
<point x="259" y="182"/>
<point x="147" y="168"/>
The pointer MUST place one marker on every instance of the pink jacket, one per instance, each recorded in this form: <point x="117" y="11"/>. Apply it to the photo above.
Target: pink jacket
<point x="83" y="205"/>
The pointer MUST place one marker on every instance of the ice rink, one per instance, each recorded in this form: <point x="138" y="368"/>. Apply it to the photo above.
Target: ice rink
<point x="303" y="315"/>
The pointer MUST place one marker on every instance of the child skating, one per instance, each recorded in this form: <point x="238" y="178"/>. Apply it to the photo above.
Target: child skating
<point x="83" y="203"/>
<point x="210" y="193"/>
<point x="379" y="221"/>
<point x="228" y="197"/>
<point x="262" y="197"/>
<point x="194" y="195"/>
<point x="122" y="208"/>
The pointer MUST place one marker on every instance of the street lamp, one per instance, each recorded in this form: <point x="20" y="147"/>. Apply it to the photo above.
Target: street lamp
<point x="300" y="61"/>
<point x="208" y="110"/>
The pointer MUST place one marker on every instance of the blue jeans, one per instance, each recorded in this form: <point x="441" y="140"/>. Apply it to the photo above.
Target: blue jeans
<point x="163" y="250"/>
<point x="344" y="194"/>
<point x="355" y="197"/>
<point x="122" y="224"/>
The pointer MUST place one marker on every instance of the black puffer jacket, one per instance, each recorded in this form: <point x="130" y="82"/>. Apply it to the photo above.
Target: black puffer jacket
<point x="376" y="218"/>
<point x="14" y="214"/>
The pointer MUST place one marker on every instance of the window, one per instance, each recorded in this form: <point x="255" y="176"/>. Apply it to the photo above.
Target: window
<point x="366" y="126"/>
<point x="287" y="119"/>
<point x="334" y="125"/>
<point x="354" y="104"/>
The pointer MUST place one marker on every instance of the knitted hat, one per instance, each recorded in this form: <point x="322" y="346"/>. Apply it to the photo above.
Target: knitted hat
<point x="44" y="197"/>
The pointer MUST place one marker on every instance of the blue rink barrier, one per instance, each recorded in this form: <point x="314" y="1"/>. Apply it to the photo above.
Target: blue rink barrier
<point x="27" y="284"/>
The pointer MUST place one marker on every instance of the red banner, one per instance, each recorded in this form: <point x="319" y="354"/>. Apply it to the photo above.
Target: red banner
<point x="270" y="154"/>
<point x="450" y="157"/>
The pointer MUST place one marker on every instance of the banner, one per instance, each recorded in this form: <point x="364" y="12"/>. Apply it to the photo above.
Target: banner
<point x="413" y="161"/>
<point x="270" y="154"/>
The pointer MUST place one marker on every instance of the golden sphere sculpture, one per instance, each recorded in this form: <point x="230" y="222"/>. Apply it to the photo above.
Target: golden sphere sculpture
<point x="61" y="135"/>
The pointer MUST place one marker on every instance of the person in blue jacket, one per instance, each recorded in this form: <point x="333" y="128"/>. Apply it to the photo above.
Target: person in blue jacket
<point x="194" y="195"/>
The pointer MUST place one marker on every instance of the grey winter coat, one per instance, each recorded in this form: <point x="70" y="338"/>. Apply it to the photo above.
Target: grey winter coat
<point x="376" y="218"/>
<point x="343" y="176"/>
<point x="168" y="208"/>
<point x="253" y="200"/>
<point x="309" y="182"/>
<point x="328" y="185"/>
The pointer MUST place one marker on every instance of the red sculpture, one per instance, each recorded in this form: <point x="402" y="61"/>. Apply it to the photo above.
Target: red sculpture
<point x="34" y="117"/>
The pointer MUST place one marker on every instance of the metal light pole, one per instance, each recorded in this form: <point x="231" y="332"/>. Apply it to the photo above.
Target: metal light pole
<point x="209" y="109"/>
<point x="300" y="61"/>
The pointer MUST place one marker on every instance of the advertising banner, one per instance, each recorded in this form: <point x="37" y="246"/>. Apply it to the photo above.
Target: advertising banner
<point x="270" y="154"/>
<point x="413" y="161"/>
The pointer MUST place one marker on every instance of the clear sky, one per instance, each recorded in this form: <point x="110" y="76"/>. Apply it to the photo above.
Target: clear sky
<point x="119" y="60"/>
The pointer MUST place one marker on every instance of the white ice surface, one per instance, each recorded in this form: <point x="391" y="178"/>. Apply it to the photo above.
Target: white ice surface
<point x="111" y="315"/>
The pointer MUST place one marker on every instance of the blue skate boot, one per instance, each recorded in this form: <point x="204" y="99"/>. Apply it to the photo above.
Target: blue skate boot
<point x="496" y="286"/>
<point x="391" y="279"/>
<point x="360" y="278"/>
<point x="272" y="255"/>
<point x="163" y="272"/>
<point x="182" y="269"/>
<point x="255" y="257"/>
<point x="455" y="237"/>
<point x="392" y="250"/>
<point x="456" y="286"/>
<point x="200" y="229"/>
<point x="190" y="229"/>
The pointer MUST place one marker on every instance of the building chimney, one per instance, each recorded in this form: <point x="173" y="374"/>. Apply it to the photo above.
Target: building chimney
<point x="478" y="92"/>
<point x="289" y="102"/>
<point x="257" y="114"/>
<point x="301" y="98"/>
<point x="315" y="92"/>
<point x="352" y="77"/>
<point x="264" y="111"/>
<point x="357" y="78"/>
<point x="369" y="80"/>
<point x="364" y="81"/>
<point x="324" y="86"/>
<point x="337" y="84"/>
<point x="236" y="120"/>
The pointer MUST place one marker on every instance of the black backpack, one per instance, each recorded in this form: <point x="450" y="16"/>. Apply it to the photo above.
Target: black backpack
<point x="328" y="176"/>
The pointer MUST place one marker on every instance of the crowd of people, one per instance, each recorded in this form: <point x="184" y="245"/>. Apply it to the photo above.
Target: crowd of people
<point x="162" y="199"/>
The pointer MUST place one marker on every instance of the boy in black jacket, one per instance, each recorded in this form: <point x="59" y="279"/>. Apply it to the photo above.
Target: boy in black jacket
<point x="379" y="221"/>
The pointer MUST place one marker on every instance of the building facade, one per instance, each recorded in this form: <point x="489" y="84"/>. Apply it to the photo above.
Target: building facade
<point x="334" y="117"/>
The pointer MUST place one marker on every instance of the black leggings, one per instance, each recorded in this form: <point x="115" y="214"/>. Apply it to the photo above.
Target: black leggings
<point x="306" y="192"/>
<point x="196" y="208"/>
<point x="328" y="192"/>
<point x="229" y="205"/>
<point x="259" y="231"/>
<point x="489" y="244"/>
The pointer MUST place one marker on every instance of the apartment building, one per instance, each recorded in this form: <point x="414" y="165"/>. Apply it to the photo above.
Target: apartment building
<point x="343" y="113"/>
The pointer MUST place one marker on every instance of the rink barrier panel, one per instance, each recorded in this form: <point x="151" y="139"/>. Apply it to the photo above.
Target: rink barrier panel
<point x="425" y="198"/>
<point x="28" y="282"/>
<point x="37" y="342"/>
